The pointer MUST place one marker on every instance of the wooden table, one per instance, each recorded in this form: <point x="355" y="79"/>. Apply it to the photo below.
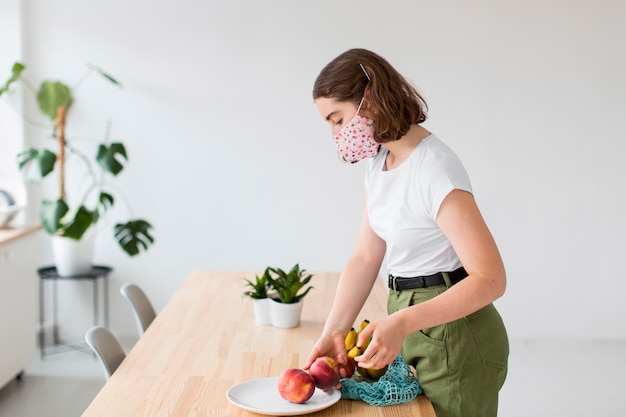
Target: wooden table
<point x="205" y="340"/>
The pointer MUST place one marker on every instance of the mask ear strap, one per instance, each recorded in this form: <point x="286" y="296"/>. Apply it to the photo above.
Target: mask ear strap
<point x="360" y="104"/>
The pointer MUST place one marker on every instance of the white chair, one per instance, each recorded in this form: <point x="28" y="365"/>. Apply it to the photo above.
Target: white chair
<point x="142" y="308"/>
<point x="106" y="346"/>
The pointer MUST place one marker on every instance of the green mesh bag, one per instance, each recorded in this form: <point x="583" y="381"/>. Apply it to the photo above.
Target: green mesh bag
<point x="397" y="385"/>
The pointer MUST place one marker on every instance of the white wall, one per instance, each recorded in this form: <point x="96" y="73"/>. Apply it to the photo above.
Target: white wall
<point x="231" y="162"/>
<point x="11" y="129"/>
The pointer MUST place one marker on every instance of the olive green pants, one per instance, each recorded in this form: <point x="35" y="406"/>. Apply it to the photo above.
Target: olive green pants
<point x="461" y="365"/>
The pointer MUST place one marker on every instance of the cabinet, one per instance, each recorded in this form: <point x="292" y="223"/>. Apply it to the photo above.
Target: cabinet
<point x="18" y="303"/>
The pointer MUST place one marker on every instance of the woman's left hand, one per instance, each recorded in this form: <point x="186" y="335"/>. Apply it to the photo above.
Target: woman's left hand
<point x="387" y="337"/>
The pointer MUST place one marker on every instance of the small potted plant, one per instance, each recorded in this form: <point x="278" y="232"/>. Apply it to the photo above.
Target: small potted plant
<point x="286" y="295"/>
<point x="258" y="292"/>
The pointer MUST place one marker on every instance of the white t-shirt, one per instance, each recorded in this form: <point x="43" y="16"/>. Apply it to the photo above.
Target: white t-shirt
<point x="403" y="203"/>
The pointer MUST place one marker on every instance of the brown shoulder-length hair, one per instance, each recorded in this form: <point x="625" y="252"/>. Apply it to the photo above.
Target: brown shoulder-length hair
<point x="390" y="100"/>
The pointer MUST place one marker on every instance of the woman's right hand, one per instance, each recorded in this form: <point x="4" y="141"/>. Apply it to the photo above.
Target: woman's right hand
<point x="332" y="345"/>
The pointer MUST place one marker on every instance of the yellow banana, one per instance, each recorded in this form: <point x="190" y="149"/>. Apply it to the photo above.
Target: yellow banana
<point x="363" y="325"/>
<point x="362" y="372"/>
<point x="366" y="343"/>
<point x="354" y="352"/>
<point x="350" y="340"/>
<point x="376" y="373"/>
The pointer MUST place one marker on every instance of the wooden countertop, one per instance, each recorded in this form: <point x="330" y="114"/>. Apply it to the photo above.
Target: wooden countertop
<point x="205" y="340"/>
<point x="7" y="235"/>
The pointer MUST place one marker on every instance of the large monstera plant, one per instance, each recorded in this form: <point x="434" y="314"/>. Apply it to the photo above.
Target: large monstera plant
<point x="57" y="216"/>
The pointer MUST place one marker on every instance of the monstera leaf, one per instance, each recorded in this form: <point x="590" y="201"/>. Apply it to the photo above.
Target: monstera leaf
<point x="134" y="236"/>
<point x="44" y="159"/>
<point x="51" y="214"/>
<point x="57" y="219"/>
<point x="15" y="75"/>
<point x="77" y="224"/>
<point x="51" y="96"/>
<point x="107" y="157"/>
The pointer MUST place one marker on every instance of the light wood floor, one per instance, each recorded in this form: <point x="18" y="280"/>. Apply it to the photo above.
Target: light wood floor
<point x="545" y="379"/>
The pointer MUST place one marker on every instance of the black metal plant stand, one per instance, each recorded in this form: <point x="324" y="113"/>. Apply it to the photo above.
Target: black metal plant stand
<point x="49" y="273"/>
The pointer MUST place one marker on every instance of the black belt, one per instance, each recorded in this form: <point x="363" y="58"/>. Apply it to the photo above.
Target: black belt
<point x="402" y="283"/>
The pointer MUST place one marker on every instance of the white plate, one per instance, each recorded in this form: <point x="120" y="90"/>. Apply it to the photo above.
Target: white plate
<point x="261" y="396"/>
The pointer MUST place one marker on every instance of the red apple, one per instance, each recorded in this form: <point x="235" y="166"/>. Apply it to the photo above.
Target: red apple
<point x="296" y="385"/>
<point x="324" y="372"/>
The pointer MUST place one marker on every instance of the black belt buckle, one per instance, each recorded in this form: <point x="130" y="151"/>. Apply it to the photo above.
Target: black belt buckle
<point x="391" y="282"/>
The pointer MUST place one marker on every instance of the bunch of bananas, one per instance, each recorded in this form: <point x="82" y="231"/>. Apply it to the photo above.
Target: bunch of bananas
<point x="354" y="351"/>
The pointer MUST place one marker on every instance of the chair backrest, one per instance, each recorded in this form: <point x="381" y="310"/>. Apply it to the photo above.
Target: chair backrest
<point x="142" y="308"/>
<point x="106" y="346"/>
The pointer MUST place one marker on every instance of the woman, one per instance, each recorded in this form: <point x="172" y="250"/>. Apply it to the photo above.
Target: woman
<point x="443" y="265"/>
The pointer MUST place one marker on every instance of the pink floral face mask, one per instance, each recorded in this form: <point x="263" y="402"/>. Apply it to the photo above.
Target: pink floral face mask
<point x="355" y="141"/>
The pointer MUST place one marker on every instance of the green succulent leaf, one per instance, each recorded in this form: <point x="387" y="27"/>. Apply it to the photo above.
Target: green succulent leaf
<point x="289" y="284"/>
<point x="44" y="159"/>
<point x="107" y="157"/>
<point x="52" y="95"/>
<point x="259" y="287"/>
<point x="134" y="236"/>
<point x="16" y="71"/>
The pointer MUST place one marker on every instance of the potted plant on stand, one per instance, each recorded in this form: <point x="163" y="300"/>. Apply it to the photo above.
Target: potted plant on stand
<point x="258" y="293"/>
<point x="287" y="295"/>
<point x="71" y="221"/>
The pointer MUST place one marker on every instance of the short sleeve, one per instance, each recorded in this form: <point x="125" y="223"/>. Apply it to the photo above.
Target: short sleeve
<point x="442" y="176"/>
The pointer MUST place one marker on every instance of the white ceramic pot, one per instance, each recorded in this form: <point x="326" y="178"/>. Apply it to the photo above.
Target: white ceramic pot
<point x="262" y="310"/>
<point x="285" y="315"/>
<point x="71" y="256"/>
